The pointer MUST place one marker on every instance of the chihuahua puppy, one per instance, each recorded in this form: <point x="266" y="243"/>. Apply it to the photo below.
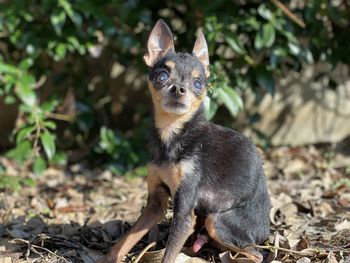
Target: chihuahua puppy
<point x="213" y="174"/>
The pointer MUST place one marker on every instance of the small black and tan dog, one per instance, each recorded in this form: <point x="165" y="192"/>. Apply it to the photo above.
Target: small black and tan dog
<point x="213" y="174"/>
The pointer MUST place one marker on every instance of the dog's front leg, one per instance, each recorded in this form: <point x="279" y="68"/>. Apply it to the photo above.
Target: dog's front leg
<point x="154" y="211"/>
<point x="182" y="226"/>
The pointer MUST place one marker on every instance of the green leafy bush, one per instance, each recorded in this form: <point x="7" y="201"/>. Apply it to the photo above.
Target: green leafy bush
<point x="251" y="44"/>
<point x="116" y="147"/>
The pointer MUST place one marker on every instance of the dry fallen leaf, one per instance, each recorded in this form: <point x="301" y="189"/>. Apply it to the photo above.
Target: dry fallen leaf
<point x="153" y="256"/>
<point x="331" y="258"/>
<point x="303" y="243"/>
<point x="343" y="225"/>
<point x="227" y="257"/>
<point x="307" y="202"/>
<point x="183" y="258"/>
<point x="341" y="238"/>
<point x="6" y="260"/>
<point x="303" y="260"/>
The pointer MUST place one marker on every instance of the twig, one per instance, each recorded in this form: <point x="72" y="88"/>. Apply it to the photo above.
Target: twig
<point x="144" y="251"/>
<point x="40" y="82"/>
<point x="33" y="248"/>
<point x="288" y="13"/>
<point x="234" y="256"/>
<point x="299" y="253"/>
<point x="35" y="151"/>
<point x="50" y="252"/>
<point x="276" y="243"/>
<point x="60" y="117"/>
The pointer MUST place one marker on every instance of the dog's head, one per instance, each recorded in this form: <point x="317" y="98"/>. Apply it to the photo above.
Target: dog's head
<point x="178" y="81"/>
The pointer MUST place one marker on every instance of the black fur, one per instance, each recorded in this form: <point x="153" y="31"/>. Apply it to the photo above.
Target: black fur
<point x="227" y="181"/>
<point x="184" y="64"/>
<point x="213" y="174"/>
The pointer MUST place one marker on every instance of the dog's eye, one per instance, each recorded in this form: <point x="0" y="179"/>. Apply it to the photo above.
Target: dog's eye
<point x="197" y="84"/>
<point x="162" y="76"/>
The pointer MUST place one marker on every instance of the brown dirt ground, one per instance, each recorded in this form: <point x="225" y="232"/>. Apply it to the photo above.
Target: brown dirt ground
<point x="77" y="214"/>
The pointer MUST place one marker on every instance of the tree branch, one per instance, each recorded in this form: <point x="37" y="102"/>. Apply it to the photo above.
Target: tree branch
<point x="288" y="13"/>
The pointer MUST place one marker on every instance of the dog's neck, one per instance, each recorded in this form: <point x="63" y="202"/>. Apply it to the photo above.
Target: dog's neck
<point x="169" y="124"/>
<point x="176" y="147"/>
<point x="172" y="127"/>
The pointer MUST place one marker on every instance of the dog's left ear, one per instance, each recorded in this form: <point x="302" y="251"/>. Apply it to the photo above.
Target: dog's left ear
<point x="200" y="50"/>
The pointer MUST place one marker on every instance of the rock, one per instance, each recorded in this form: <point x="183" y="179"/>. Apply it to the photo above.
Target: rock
<point x="305" y="108"/>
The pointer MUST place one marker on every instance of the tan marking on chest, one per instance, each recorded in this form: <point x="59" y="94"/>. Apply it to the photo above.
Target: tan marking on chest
<point x="169" y="174"/>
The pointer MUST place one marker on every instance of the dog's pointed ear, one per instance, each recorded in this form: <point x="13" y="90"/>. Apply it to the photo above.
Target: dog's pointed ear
<point x="200" y="50"/>
<point x="160" y="42"/>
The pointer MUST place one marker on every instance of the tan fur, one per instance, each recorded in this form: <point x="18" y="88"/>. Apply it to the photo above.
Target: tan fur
<point x="171" y="64"/>
<point x="153" y="213"/>
<point x="195" y="73"/>
<point x="169" y="174"/>
<point x="209" y="225"/>
<point x="171" y="123"/>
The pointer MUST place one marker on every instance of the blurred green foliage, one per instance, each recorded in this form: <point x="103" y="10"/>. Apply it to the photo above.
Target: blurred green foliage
<point x="251" y="43"/>
<point x="14" y="183"/>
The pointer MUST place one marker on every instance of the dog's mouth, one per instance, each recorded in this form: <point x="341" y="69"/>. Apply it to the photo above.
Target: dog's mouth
<point x="175" y="106"/>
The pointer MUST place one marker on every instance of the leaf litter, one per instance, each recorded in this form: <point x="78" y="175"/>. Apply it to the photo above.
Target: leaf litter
<point x="76" y="215"/>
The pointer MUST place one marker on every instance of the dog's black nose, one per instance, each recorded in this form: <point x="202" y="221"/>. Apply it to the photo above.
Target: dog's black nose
<point x="178" y="91"/>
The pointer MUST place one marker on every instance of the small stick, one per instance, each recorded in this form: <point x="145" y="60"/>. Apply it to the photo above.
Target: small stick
<point x="300" y="253"/>
<point x="277" y="242"/>
<point x="288" y="13"/>
<point x="33" y="248"/>
<point x="144" y="251"/>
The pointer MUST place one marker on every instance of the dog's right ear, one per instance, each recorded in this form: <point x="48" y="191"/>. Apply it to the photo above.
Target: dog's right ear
<point x="160" y="42"/>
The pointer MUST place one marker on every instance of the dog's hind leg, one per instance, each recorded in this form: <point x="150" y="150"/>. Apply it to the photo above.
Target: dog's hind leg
<point x="232" y="232"/>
